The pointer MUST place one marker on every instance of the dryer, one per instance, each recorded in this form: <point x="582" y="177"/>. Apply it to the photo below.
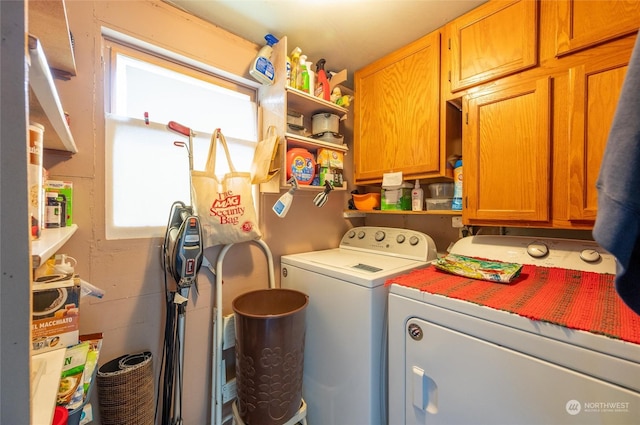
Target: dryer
<point x="452" y="361"/>
<point x="344" y="379"/>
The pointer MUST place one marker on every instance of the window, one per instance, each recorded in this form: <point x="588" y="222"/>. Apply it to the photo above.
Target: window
<point x="145" y="171"/>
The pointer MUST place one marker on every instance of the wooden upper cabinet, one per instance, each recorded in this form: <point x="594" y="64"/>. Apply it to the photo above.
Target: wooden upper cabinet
<point x="493" y="40"/>
<point x="594" y="88"/>
<point x="397" y="101"/>
<point x="507" y="154"/>
<point x="584" y="23"/>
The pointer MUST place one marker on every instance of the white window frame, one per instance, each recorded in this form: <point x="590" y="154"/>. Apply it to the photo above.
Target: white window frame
<point x="115" y="43"/>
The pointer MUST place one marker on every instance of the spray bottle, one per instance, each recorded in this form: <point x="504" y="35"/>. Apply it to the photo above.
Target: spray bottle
<point x="323" y="90"/>
<point x="304" y="75"/>
<point x="282" y="205"/>
<point x="295" y="66"/>
<point x="262" y="68"/>
<point x="312" y="79"/>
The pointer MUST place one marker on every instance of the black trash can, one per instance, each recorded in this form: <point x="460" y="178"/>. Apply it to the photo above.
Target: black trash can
<point x="270" y="328"/>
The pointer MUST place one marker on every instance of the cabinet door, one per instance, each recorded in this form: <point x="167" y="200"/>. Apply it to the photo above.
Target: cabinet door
<point x="493" y="40"/>
<point x="594" y="88"/>
<point x="507" y="155"/>
<point x="397" y="113"/>
<point x="581" y="23"/>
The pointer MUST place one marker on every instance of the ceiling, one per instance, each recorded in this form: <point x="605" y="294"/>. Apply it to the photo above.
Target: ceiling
<point x="349" y="34"/>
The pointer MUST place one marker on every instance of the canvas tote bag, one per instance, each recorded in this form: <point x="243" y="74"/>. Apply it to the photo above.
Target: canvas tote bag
<point x="225" y="206"/>
<point x="263" y="167"/>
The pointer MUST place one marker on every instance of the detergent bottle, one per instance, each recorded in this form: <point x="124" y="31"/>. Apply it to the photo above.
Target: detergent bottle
<point x="295" y="66"/>
<point x="262" y="68"/>
<point x="323" y="88"/>
<point x="312" y="79"/>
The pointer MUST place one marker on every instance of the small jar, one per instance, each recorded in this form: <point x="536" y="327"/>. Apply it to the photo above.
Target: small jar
<point x="52" y="211"/>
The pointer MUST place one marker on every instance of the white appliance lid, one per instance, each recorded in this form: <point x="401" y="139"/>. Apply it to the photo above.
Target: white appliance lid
<point x="362" y="268"/>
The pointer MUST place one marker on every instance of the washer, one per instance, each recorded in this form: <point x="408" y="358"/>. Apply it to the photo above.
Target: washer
<point x="345" y="343"/>
<point x="456" y="362"/>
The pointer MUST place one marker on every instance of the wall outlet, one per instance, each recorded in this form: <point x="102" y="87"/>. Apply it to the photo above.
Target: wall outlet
<point x="456" y="222"/>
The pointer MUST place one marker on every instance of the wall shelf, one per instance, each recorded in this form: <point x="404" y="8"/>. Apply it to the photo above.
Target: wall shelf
<point x="49" y="242"/>
<point x="44" y="104"/>
<point x="358" y="213"/>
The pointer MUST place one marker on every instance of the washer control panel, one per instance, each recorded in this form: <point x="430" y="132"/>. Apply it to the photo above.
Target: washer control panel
<point x="403" y="243"/>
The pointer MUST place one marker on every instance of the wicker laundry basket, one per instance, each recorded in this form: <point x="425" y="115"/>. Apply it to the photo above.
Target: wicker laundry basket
<point x="126" y="390"/>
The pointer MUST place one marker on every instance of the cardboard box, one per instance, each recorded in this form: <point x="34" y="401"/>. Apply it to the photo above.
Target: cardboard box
<point x="64" y="188"/>
<point x="396" y="199"/>
<point x="56" y="312"/>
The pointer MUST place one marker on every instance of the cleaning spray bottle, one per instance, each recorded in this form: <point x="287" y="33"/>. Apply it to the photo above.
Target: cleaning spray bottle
<point x="323" y="89"/>
<point x="304" y="74"/>
<point x="312" y="78"/>
<point x="295" y="66"/>
<point x="282" y="205"/>
<point x="262" y="68"/>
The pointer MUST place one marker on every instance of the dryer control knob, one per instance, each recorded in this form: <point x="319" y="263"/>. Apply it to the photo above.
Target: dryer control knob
<point x="379" y="235"/>
<point x="537" y="249"/>
<point x="360" y="234"/>
<point x="351" y="234"/>
<point x="413" y="240"/>
<point x="590" y="255"/>
<point x="400" y="238"/>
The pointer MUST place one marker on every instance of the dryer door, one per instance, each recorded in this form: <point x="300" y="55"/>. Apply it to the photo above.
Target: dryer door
<point x="455" y="378"/>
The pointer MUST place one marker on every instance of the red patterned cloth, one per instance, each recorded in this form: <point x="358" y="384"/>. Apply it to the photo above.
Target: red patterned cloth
<point x="575" y="299"/>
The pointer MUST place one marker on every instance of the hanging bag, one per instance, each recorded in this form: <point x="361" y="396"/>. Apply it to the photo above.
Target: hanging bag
<point x="263" y="166"/>
<point x="225" y="206"/>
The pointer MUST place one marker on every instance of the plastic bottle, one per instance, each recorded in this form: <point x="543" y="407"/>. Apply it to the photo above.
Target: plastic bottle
<point x="457" y="186"/>
<point x="295" y="66"/>
<point x="288" y="71"/>
<point x="417" y="197"/>
<point x="304" y="74"/>
<point x="282" y="205"/>
<point x="262" y="68"/>
<point x="312" y="79"/>
<point x="323" y="89"/>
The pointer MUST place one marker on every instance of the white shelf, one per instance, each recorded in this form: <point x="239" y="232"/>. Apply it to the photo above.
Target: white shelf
<point x="49" y="242"/>
<point x="308" y="105"/>
<point x="294" y="140"/>
<point x="46" y="385"/>
<point x="45" y="107"/>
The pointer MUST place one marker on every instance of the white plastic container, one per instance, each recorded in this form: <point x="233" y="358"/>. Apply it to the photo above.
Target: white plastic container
<point x="417" y="197"/>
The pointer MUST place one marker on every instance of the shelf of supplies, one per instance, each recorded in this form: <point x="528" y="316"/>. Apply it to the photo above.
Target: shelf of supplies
<point x="48" y="22"/>
<point x="44" y="104"/>
<point x="308" y="105"/>
<point x="49" y="242"/>
<point x="358" y="213"/>
<point x="296" y="141"/>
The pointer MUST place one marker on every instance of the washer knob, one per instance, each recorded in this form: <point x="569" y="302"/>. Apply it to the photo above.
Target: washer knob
<point x="360" y="234"/>
<point x="537" y="249"/>
<point x="590" y="255"/>
<point x="413" y="240"/>
<point x="351" y="234"/>
<point x="379" y="235"/>
<point x="400" y="238"/>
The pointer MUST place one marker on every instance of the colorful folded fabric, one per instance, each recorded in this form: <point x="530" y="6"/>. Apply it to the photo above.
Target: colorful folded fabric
<point x="475" y="268"/>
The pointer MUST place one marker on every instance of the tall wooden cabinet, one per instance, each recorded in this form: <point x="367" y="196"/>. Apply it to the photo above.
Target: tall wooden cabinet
<point x="507" y="154"/>
<point x="397" y="119"/>
<point x="594" y="89"/>
<point x="493" y="40"/>
<point x="581" y="24"/>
